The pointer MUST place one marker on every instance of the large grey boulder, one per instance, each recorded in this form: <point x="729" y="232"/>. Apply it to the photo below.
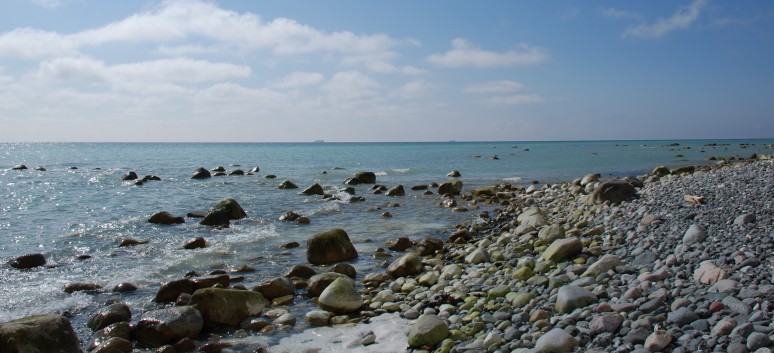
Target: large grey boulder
<point x="555" y="341"/>
<point x="319" y="282"/>
<point x="428" y="330"/>
<point x="201" y="173"/>
<point x="276" y="287"/>
<point x="169" y="325"/>
<point x="450" y="188"/>
<point x="563" y="249"/>
<point x="41" y="333"/>
<point x="340" y="297"/>
<point x="694" y="234"/>
<point x="330" y="247"/>
<point x="171" y="290"/>
<point x="406" y="265"/>
<point x="550" y="233"/>
<point x="532" y="216"/>
<point x="615" y="191"/>
<point x="365" y="177"/>
<point x="227" y="306"/>
<point x="572" y="297"/>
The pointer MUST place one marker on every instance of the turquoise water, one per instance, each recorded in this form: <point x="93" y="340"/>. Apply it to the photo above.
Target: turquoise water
<point x="64" y="212"/>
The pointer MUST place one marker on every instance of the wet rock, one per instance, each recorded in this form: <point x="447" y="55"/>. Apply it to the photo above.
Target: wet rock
<point x="317" y="317"/>
<point x="400" y="244"/>
<point x="171" y="290"/>
<point x="291" y="245"/>
<point x="289" y="216"/>
<point x="201" y="173"/>
<point x="428" y="330"/>
<point x="276" y="287"/>
<point x="330" y="247"/>
<point x="301" y="271"/>
<point x="165" y="217"/>
<point x="450" y="188"/>
<point x="319" y="282"/>
<point x="119" y="329"/>
<point x="237" y="172"/>
<point x="454" y="174"/>
<point x="227" y="306"/>
<point x="429" y="246"/>
<point x="39" y="334"/>
<point x="365" y="177"/>
<point x="130" y="176"/>
<point x="314" y="189"/>
<point x="406" y="265"/>
<point x="28" y="261"/>
<point x="114" y="345"/>
<point x="220" y="280"/>
<point x="131" y="242"/>
<point x="340" y="297"/>
<point x="124" y="287"/>
<point x="81" y="287"/>
<point x="396" y="191"/>
<point x="345" y="269"/>
<point x="196" y="243"/>
<point x="614" y="191"/>
<point x="555" y="341"/>
<point x="287" y="185"/>
<point x="169" y="325"/>
<point x="109" y="315"/>
<point x="223" y="212"/>
<point x="19" y="167"/>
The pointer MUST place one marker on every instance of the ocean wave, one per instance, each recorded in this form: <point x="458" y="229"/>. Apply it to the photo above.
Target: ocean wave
<point x="513" y="179"/>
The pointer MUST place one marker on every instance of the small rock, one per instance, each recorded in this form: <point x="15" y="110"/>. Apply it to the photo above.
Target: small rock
<point x="694" y="234"/>
<point x="196" y="243"/>
<point x="28" y="261"/>
<point x="428" y="330"/>
<point x="555" y="341"/>
<point x="658" y="340"/>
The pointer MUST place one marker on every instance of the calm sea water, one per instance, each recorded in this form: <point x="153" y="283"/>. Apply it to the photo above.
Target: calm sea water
<point x="64" y="212"/>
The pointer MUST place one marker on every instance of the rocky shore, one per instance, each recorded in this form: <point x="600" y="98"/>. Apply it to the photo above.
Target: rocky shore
<point x="675" y="261"/>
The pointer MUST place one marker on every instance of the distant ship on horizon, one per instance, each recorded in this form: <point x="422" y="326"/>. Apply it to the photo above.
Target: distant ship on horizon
<point x="319" y="141"/>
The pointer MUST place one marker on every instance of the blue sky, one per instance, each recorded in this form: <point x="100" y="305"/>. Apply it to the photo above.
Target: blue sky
<point x="88" y="70"/>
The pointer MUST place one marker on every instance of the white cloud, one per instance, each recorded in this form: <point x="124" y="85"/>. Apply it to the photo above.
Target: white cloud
<point x="180" y="70"/>
<point x="503" y="93"/>
<point x="681" y="19"/>
<point x="464" y="54"/>
<point x="351" y="87"/>
<point x="300" y="79"/>
<point x="413" y="90"/>
<point x="502" y="86"/>
<point x="516" y="99"/>
<point x="49" y="4"/>
<point x="31" y="43"/>
<point x="616" y="14"/>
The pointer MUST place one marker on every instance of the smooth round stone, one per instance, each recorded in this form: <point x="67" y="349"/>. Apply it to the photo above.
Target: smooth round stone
<point x="287" y="319"/>
<point x="317" y="317"/>
<point x="391" y="306"/>
<point x="411" y="314"/>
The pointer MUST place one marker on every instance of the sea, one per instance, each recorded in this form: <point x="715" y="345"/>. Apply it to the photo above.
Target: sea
<point x="79" y="205"/>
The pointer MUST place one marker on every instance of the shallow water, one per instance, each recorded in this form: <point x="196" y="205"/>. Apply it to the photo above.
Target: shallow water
<point x="64" y="212"/>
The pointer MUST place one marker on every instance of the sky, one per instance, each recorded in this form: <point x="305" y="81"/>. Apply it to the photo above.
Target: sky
<point x="350" y="70"/>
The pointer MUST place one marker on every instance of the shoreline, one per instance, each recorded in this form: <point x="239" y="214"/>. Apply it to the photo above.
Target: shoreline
<point x="489" y="239"/>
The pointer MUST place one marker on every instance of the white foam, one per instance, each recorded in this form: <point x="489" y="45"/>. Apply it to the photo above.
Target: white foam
<point x="402" y="171"/>
<point x="380" y="173"/>
<point x="513" y="179"/>
<point x="391" y="333"/>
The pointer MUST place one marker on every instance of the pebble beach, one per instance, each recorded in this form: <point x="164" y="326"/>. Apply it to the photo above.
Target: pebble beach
<point x="674" y="261"/>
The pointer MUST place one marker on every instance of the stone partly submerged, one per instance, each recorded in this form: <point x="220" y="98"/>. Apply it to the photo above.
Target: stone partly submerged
<point x="340" y="297"/>
<point x="223" y="212"/>
<point x="41" y="333"/>
<point x="28" y="261"/>
<point x="450" y="188"/>
<point x="165" y="217"/>
<point x="227" y="306"/>
<point x="330" y="247"/>
<point x="169" y="325"/>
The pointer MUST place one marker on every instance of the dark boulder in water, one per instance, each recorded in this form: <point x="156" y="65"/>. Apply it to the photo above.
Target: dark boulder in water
<point x="165" y="217"/>
<point x="429" y="246"/>
<point x="124" y="287"/>
<point x="314" y="189"/>
<point x="366" y="177"/>
<point x="330" y="247"/>
<point x="171" y="290"/>
<point x="287" y="184"/>
<point x="223" y="212"/>
<point x="151" y="178"/>
<point x="197" y="243"/>
<point x="302" y="271"/>
<point x="130" y="176"/>
<point x="400" y="244"/>
<point x="289" y="216"/>
<point x="396" y="191"/>
<point x="109" y="315"/>
<point x="82" y="287"/>
<point x="219" y="169"/>
<point x="201" y="173"/>
<point x="41" y="333"/>
<point x="131" y="242"/>
<point x="19" y="167"/>
<point x="276" y="287"/>
<point x="170" y="325"/>
<point x="40" y="169"/>
<point x="255" y="170"/>
<point x="450" y="188"/>
<point x="237" y="172"/>
<point x="28" y="261"/>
